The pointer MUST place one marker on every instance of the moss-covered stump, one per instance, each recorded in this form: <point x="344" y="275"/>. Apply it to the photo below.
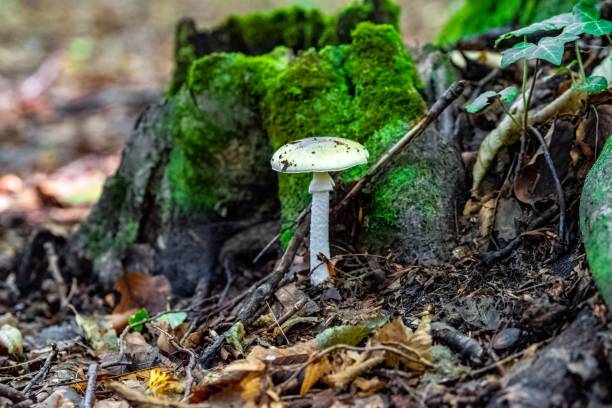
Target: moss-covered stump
<point x="478" y="16"/>
<point x="296" y="28"/>
<point x="196" y="169"/>
<point x="596" y="222"/>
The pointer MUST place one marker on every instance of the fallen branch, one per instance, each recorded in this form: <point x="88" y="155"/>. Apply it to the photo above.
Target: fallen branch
<point x="90" y="393"/>
<point x="11" y="393"/>
<point x="40" y="376"/>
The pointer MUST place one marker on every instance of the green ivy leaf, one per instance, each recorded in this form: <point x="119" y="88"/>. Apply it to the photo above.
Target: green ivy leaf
<point x="508" y="95"/>
<point x="139" y="316"/>
<point x="593" y="84"/>
<point x="587" y="20"/>
<point x="550" y="24"/>
<point x="482" y="101"/>
<point x="174" y="319"/>
<point x="549" y="49"/>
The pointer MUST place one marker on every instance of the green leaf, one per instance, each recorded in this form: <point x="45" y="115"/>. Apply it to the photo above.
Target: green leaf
<point x="588" y="15"/>
<point x="140" y="316"/>
<point x="235" y="336"/>
<point x="11" y="339"/>
<point x="350" y="334"/>
<point x="174" y="319"/>
<point x="550" y="24"/>
<point x="593" y="84"/>
<point x="482" y="101"/>
<point x="508" y="95"/>
<point x="549" y="49"/>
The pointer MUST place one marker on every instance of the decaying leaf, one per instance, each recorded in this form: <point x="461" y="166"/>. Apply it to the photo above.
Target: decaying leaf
<point x="535" y="182"/>
<point x="418" y="341"/>
<point x="293" y="321"/>
<point x="100" y="334"/>
<point x="235" y="336"/>
<point x="163" y="384"/>
<point x="314" y="372"/>
<point x="141" y="290"/>
<point x="250" y="387"/>
<point x="486" y="217"/>
<point x="368" y="386"/>
<point x="348" y="334"/>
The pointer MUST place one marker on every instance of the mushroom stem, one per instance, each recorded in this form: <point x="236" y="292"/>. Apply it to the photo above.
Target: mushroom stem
<point x="320" y="186"/>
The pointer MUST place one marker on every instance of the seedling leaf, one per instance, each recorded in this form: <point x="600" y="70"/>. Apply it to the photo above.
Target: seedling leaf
<point x="548" y="49"/>
<point x="508" y="95"/>
<point x="174" y="319"/>
<point x="482" y="101"/>
<point x="139" y="316"/>
<point x="593" y="84"/>
<point x="550" y="24"/>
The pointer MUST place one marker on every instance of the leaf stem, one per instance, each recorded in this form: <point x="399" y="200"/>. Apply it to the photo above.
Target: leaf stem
<point x="580" y="64"/>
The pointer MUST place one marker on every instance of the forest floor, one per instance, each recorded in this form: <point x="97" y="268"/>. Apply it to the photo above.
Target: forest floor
<point x="514" y="318"/>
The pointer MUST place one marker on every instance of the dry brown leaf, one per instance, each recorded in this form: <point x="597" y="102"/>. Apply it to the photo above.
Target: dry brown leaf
<point x="139" y="289"/>
<point x="314" y="372"/>
<point x="486" y="217"/>
<point x="420" y="341"/>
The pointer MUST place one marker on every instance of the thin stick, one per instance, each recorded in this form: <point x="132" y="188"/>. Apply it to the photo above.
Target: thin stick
<point x="278" y="324"/>
<point x="296" y="308"/>
<point x="40" y="376"/>
<point x="558" y="187"/>
<point x="52" y="259"/>
<point x="452" y="93"/>
<point x="90" y="392"/>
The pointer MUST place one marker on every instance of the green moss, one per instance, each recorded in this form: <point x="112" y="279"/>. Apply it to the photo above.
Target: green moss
<point x="499" y="13"/>
<point x="596" y="221"/>
<point x="364" y="91"/>
<point x="295" y="27"/>
<point x="212" y="116"/>
<point x="399" y="188"/>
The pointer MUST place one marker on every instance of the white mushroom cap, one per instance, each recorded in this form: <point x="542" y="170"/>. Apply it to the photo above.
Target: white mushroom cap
<point x="318" y="154"/>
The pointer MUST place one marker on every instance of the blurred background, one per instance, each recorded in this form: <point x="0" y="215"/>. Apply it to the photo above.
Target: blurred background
<point x="74" y="75"/>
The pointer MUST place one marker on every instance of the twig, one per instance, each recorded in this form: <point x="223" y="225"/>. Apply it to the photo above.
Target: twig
<point x="490" y="257"/>
<point x="558" y="187"/>
<point x="262" y="292"/>
<point x="90" y="392"/>
<point x="452" y="93"/>
<point x="296" y="308"/>
<point x="40" y="376"/>
<point x="190" y="365"/>
<point x="265" y="249"/>
<point x="347" y="375"/>
<point x="278" y="324"/>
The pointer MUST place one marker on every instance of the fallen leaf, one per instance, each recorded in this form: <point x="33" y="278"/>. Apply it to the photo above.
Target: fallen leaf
<point x="314" y="372"/>
<point x="141" y="290"/>
<point x="174" y="319"/>
<point x="251" y="387"/>
<point x="140" y="315"/>
<point x="419" y="341"/>
<point x="235" y="336"/>
<point x="348" y="334"/>
<point x="368" y="386"/>
<point x="486" y="217"/>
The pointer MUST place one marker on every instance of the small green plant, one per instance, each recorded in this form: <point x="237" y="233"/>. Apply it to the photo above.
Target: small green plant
<point x="140" y="316"/>
<point x="585" y="18"/>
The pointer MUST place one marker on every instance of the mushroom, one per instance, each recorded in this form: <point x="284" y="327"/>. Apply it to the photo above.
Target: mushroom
<point x="319" y="156"/>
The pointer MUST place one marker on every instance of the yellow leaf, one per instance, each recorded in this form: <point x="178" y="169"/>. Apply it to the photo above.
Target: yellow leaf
<point x="313" y="373"/>
<point x="162" y="383"/>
